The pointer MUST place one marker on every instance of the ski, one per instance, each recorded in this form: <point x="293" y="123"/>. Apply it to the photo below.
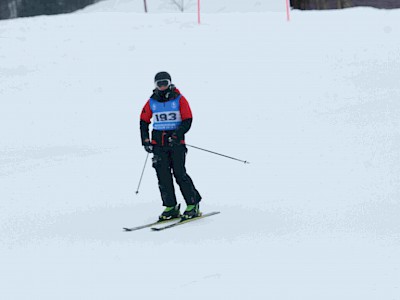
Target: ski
<point x="149" y="225"/>
<point x="181" y="222"/>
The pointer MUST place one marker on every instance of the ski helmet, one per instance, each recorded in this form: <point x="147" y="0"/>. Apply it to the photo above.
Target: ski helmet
<point x="162" y="79"/>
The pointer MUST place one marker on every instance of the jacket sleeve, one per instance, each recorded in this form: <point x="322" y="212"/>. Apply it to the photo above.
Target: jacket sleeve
<point x="187" y="118"/>
<point x="145" y="120"/>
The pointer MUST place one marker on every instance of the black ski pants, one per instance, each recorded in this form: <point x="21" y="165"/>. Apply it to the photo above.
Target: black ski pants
<point x="171" y="160"/>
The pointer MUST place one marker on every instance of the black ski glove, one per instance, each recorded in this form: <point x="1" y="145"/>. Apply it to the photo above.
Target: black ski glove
<point x="148" y="147"/>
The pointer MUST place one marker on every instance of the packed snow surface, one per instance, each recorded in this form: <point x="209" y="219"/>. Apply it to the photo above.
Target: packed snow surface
<point x="313" y="104"/>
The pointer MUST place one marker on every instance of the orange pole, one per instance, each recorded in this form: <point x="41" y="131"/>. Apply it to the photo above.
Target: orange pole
<point x="288" y="10"/>
<point x="198" y="11"/>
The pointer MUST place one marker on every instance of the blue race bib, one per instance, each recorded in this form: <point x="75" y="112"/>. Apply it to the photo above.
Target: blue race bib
<point x="166" y="115"/>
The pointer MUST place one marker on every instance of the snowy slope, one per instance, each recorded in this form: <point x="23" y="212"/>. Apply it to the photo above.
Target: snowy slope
<point x="312" y="104"/>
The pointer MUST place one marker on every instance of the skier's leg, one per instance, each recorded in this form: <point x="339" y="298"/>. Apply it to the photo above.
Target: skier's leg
<point x="189" y="192"/>
<point x="162" y="164"/>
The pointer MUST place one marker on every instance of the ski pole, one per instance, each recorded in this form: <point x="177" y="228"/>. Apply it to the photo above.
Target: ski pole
<point x="243" y="161"/>
<point x="141" y="176"/>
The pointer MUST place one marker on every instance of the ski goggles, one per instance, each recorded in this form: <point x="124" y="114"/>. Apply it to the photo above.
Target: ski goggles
<point x="162" y="83"/>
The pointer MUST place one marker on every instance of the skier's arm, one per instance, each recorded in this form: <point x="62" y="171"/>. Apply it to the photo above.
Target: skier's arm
<point x="145" y="118"/>
<point x="187" y="118"/>
<point x="183" y="128"/>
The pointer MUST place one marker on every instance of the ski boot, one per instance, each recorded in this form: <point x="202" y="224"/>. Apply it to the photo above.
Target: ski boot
<point x="192" y="211"/>
<point x="170" y="212"/>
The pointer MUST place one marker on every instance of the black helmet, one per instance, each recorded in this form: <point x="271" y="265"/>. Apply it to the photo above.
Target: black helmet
<point x="161" y="76"/>
<point x="162" y="81"/>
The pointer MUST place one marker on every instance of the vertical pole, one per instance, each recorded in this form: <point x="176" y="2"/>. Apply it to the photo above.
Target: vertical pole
<point x="145" y="6"/>
<point x="198" y="12"/>
<point x="287" y="10"/>
<point x="141" y="176"/>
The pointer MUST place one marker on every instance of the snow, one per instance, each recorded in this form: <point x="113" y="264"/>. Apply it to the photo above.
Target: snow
<point x="311" y="103"/>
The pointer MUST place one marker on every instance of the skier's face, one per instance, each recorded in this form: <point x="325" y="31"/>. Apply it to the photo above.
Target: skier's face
<point x="163" y="88"/>
<point x="162" y="85"/>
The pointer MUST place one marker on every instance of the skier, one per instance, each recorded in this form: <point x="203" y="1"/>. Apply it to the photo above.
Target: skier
<point x="172" y="118"/>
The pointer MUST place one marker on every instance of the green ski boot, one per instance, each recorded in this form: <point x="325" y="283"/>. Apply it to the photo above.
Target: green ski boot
<point x="192" y="211"/>
<point x="170" y="212"/>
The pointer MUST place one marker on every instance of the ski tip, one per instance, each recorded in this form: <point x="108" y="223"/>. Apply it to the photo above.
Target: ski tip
<point x="126" y="229"/>
<point x="211" y="214"/>
<point x="155" y="229"/>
